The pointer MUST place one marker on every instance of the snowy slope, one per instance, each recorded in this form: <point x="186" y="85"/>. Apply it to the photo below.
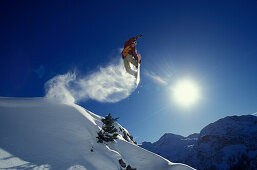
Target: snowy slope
<point x="42" y="133"/>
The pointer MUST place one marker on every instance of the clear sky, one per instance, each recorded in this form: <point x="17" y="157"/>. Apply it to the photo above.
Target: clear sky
<point x="213" y="43"/>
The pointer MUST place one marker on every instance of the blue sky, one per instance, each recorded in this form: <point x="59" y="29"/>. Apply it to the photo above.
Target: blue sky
<point x="211" y="42"/>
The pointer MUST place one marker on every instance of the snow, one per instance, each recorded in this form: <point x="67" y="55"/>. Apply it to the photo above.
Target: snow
<point x="40" y="133"/>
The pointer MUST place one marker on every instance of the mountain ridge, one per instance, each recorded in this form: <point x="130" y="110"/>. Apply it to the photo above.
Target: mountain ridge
<point x="229" y="142"/>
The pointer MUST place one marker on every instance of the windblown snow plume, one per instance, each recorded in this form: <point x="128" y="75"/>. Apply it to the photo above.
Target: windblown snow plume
<point x="108" y="84"/>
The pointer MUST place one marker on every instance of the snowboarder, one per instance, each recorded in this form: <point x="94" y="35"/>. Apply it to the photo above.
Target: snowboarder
<point x="129" y="55"/>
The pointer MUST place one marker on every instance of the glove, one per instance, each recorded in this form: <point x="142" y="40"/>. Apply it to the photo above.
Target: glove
<point x="139" y="58"/>
<point x="138" y="36"/>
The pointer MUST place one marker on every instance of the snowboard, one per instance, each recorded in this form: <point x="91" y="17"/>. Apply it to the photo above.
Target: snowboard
<point x="138" y="74"/>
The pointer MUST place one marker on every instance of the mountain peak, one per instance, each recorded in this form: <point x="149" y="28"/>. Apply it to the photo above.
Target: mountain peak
<point x="232" y="125"/>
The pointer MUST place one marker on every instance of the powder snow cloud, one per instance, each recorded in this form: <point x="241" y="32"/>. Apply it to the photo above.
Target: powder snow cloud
<point x="108" y="84"/>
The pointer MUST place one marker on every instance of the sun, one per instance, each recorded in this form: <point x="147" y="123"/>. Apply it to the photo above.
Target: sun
<point x="186" y="93"/>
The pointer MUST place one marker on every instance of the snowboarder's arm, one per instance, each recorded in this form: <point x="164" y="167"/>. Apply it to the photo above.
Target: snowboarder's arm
<point x="129" y="41"/>
<point x="138" y="36"/>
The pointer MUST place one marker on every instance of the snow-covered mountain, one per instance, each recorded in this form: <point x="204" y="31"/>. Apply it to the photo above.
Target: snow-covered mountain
<point x="39" y="133"/>
<point x="171" y="146"/>
<point x="229" y="143"/>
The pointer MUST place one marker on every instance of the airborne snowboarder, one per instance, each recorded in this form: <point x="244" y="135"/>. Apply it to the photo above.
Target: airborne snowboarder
<point x="129" y="55"/>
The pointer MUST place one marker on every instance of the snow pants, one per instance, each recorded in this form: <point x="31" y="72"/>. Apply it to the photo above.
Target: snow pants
<point x="130" y="59"/>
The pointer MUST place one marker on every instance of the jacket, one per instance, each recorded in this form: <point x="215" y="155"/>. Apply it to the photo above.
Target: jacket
<point x="128" y="49"/>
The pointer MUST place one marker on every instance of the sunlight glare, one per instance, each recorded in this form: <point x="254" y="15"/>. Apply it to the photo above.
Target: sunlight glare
<point x="186" y="93"/>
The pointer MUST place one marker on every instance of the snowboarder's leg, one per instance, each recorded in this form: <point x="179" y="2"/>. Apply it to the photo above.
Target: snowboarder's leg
<point x="127" y="66"/>
<point x="132" y="60"/>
